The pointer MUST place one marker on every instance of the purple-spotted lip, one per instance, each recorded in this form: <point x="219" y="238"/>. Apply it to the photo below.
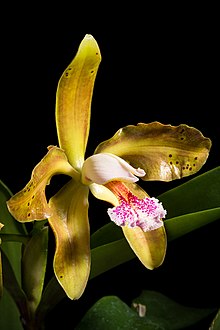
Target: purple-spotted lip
<point x="146" y="213"/>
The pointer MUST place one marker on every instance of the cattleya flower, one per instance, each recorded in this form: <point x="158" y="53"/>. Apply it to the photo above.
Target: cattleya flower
<point x="148" y="151"/>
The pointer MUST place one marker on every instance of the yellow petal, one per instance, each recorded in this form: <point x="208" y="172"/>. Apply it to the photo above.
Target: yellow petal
<point x="73" y="101"/>
<point x="149" y="247"/>
<point x="30" y="203"/>
<point x="71" y="229"/>
<point x="103" y="193"/>
<point x="165" y="152"/>
<point x="104" y="167"/>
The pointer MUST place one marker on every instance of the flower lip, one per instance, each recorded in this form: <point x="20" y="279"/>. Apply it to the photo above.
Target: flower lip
<point x="144" y="213"/>
<point x="105" y="167"/>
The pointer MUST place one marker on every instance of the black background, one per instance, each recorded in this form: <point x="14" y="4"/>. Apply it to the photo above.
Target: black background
<point x="163" y="66"/>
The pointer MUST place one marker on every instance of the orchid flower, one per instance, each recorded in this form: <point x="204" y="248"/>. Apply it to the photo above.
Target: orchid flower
<point x="148" y="151"/>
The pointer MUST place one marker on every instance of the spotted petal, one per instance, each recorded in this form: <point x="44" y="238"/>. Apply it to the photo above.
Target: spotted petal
<point x="71" y="229"/>
<point x="74" y="94"/>
<point x="30" y="203"/>
<point x="164" y="152"/>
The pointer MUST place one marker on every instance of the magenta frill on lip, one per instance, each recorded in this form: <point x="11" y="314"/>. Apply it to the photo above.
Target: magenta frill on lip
<point x="145" y="213"/>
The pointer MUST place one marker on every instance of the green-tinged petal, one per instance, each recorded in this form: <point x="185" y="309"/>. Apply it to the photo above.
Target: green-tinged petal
<point x="102" y="168"/>
<point x="165" y="152"/>
<point x="33" y="273"/>
<point x="103" y="193"/>
<point x="73" y="102"/>
<point x="71" y="229"/>
<point x="149" y="247"/>
<point x="30" y="203"/>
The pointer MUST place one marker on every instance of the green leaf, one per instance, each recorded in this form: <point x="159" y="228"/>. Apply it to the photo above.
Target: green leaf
<point x="11" y="283"/>
<point x="197" y="194"/>
<point x="150" y="311"/>
<point x="169" y="313"/>
<point x="13" y="303"/>
<point x="216" y="322"/>
<point x="11" y="226"/>
<point x="111" y="313"/>
<point x="34" y="263"/>
<point x="106" y="234"/>
<point x="8" y="310"/>
<point x="10" y="316"/>
<point x="52" y="295"/>
<point x="179" y="226"/>
<point x="107" y="256"/>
